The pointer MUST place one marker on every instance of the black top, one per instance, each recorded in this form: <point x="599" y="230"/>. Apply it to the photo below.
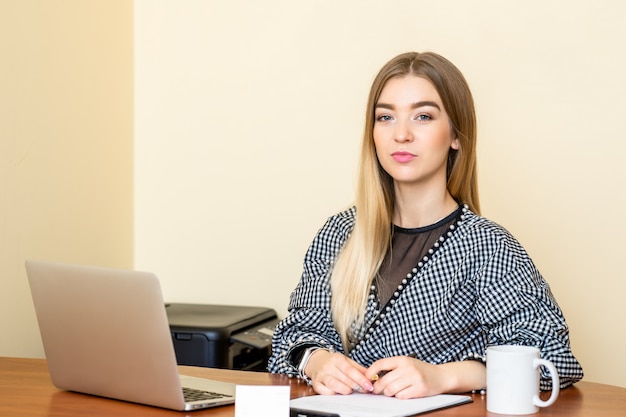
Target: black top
<point x="408" y="246"/>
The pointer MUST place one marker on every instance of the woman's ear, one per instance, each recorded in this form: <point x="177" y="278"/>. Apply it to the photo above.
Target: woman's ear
<point x="456" y="144"/>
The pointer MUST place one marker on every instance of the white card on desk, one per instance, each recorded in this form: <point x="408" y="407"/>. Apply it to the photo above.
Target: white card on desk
<point x="262" y="400"/>
<point x="370" y="405"/>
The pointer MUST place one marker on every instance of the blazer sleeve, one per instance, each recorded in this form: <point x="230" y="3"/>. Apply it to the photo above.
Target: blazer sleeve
<point x="516" y="306"/>
<point x="309" y="321"/>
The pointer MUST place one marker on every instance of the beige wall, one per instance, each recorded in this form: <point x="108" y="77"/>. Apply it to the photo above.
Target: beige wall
<point x="247" y="119"/>
<point x="249" y="113"/>
<point x="66" y="117"/>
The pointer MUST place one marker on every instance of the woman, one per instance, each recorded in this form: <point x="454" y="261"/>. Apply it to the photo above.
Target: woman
<point x="402" y="293"/>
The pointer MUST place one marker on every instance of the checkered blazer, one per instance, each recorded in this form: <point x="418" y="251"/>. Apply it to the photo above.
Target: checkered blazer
<point x="478" y="287"/>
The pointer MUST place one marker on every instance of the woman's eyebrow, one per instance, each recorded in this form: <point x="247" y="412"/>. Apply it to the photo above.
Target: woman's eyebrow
<point x="413" y="106"/>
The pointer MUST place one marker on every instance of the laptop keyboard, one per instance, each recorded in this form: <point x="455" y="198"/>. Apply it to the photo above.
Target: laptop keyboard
<point x="191" y="394"/>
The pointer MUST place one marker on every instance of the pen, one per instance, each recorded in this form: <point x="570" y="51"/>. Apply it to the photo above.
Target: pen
<point x="297" y="412"/>
<point x="381" y="374"/>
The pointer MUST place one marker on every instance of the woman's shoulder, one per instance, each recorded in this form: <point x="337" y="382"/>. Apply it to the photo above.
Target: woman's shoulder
<point x="333" y="234"/>
<point x="486" y="231"/>
<point x="343" y="221"/>
<point x="482" y="224"/>
<point x="482" y="227"/>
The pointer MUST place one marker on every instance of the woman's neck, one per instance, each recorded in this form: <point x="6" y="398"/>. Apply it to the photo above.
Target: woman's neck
<point x="413" y="210"/>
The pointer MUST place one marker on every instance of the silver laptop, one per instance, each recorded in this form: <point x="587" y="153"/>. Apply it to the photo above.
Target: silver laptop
<point x="105" y="332"/>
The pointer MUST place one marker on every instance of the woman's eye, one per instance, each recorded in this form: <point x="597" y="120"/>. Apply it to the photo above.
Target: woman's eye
<point x="383" y="118"/>
<point x="423" y="117"/>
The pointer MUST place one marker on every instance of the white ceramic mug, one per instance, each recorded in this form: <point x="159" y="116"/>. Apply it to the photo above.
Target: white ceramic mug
<point x="513" y="380"/>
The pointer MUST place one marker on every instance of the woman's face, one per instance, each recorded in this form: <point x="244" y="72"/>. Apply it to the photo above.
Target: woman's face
<point x="412" y="132"/>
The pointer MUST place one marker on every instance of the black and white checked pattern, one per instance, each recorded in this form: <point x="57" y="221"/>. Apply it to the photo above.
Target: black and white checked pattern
<point x="479" y="288"/>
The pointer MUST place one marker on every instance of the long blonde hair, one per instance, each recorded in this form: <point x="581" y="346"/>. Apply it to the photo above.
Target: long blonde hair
<point x="361" y="257"/>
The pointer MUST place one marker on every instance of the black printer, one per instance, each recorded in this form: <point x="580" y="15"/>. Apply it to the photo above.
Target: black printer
<point x="222" y="336"/>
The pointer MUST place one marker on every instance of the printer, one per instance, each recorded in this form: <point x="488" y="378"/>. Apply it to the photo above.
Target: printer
<point x="222" y="336"/>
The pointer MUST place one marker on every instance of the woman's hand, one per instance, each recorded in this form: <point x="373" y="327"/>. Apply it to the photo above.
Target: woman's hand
<point x="334" y="373"/>
<point x="407" y="377"/>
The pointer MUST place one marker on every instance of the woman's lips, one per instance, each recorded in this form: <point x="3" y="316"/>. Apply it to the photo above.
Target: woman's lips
<point x="402" y="156"/>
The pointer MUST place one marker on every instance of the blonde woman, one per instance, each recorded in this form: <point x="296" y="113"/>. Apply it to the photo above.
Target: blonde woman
<point x="402" y="293"/>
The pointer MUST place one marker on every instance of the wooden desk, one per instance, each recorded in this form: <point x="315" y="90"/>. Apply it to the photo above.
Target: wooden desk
<point x="26" y="390"/>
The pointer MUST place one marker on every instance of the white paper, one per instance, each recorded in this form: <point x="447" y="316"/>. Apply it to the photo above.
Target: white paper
<point x="262" y="401"/>
<point x="371" y="405"/>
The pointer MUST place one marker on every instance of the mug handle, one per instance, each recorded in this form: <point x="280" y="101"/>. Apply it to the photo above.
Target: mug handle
<point x="555" y="383"/>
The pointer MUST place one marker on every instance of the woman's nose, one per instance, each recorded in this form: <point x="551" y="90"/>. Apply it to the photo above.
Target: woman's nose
<point x="403" y="132"/>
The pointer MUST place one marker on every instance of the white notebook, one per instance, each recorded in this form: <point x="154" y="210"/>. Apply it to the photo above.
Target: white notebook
<point x="370" y="405"/>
